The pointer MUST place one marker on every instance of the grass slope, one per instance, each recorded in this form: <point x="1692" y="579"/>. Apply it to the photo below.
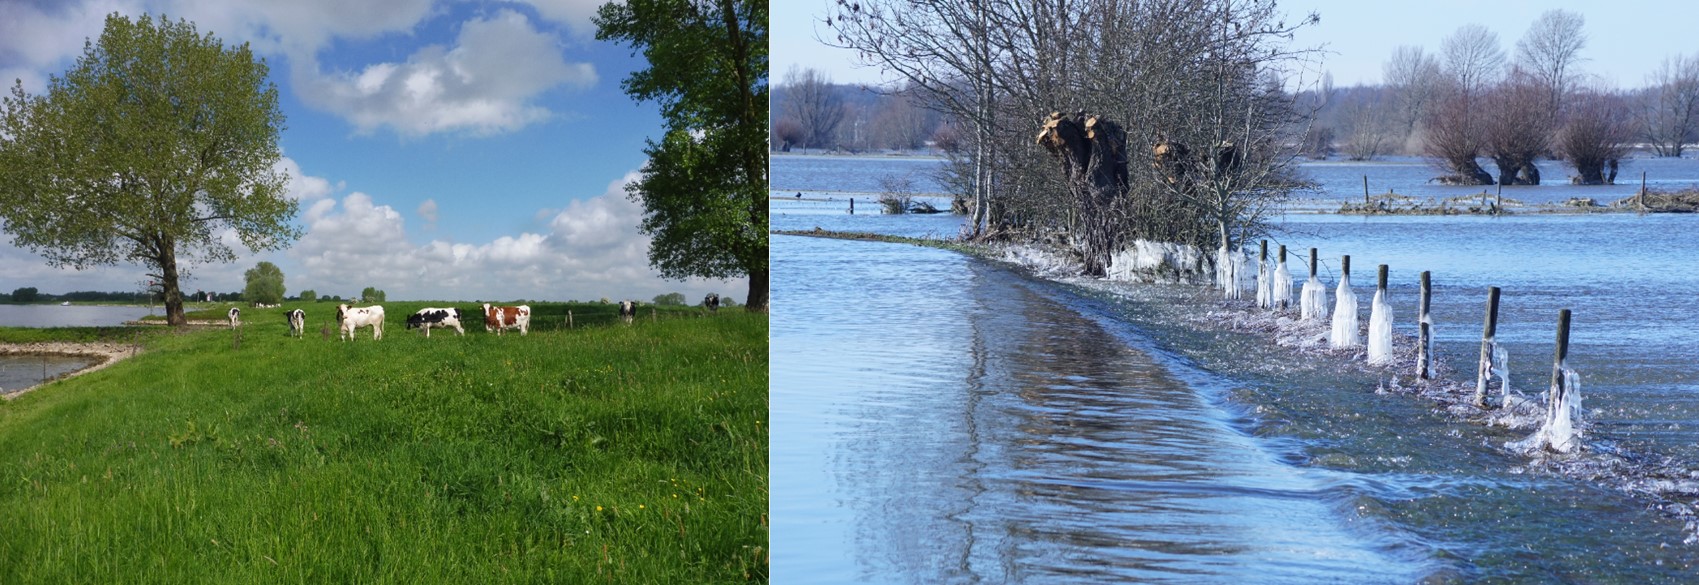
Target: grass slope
<point x="596" y="454"/>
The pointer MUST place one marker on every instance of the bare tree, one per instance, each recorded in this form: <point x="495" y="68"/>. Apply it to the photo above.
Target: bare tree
<point x="788" y="132"/>
<point x="1414" y="77"/>
<point x="1516" y="127"/>
<point x="1454" y="139"/>
<point x="1667" y="112"/>
<point x="812" y="101"/>
<point x="1594" y="137"/>
<point x="1473" y="58"/>
<point x="902" y="123"/>
<point x="1550" y="51"/>
<point x="1363" y="114"/>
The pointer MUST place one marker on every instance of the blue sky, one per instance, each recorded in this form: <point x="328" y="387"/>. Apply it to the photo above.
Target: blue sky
<point x="1626" y="39"/>
<point x="440" y="149"/>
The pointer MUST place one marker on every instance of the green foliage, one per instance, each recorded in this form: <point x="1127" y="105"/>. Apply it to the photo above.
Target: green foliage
<point x="371" y="295"/>
<point x="607" y="453"/>
<point x="703" y="190"/>
<point x="672" y="299"/>
<point x="308" y="296"/>
<point x="26" y="294"/>
<point x="154" y="142"/>
<point x="265" y="284"/>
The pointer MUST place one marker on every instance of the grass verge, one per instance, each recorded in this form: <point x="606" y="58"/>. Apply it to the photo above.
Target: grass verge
<point x="595" y="454"/>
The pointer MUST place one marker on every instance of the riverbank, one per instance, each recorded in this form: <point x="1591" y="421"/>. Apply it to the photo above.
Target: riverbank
<point x="598" y="452"/>
<point x="107" y="352"/>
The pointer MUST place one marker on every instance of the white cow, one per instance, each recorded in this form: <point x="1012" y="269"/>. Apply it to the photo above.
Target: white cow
<point x="627" y="310"/>
<point x="297" y="322"/>
<point x="235" y="317"/>
<point x="350" y="319"/>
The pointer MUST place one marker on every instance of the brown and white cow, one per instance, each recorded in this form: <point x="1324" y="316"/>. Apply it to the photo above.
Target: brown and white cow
<point x="497" y="318"/>
<point x="347" y="320"/>
<point x="432" y="317"/>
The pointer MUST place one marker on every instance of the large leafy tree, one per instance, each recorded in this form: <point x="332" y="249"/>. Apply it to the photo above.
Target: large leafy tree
<point x="703" y="188"/>
<point x="265" y="284"/>
<point x="157" y="143"/>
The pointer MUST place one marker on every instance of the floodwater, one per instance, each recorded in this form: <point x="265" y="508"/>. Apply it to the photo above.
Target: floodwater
<point x="944" y="419"/>
<point x="69" y="316"/>
<point x="22" y="371"/>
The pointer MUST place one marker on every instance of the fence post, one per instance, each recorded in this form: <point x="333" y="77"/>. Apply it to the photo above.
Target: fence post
<point x="1562" y="353"/>
<point x="1312" y="262"/>
<point x="1487" y="333"/>
<point x="1365" y="192"/>
<point x="1424" y="340"/>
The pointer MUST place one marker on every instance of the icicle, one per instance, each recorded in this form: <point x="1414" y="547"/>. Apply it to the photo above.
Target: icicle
<point x="1561" y="431"/>
<point x="1264" y="294"/>
<point x="1313" y="305"/>
<point x="1344" y="315"/>
<point x="1501" y="368"/>
<point x="1227" y="273"/>
<point x="1282" y="294"/>
<point x="1380" y="329"/>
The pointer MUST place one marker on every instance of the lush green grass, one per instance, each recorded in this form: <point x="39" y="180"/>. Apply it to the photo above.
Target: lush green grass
<point x="600" y="454"/>
<point x="544" y="316"/>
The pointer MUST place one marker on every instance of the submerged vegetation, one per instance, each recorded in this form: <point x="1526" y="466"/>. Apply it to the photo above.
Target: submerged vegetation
<point x="602" y="453"/>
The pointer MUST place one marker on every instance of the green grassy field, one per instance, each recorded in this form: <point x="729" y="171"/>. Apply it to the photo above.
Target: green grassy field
<point x="597" y="454"/>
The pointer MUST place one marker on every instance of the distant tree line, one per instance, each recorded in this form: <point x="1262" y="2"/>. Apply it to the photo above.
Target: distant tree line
<point x="812" y="113"/>
<point x="1471" y="102"/>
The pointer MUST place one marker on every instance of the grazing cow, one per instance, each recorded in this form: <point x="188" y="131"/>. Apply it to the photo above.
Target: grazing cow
<point x="297" y="322"/>
<point x="712" y="302"/>
<point x="498" y="318"/>
<point x="235" y="317"/>
<point x="428" y="318"/>
<point x="348" y="320"/>
<point x="627" y="310"/>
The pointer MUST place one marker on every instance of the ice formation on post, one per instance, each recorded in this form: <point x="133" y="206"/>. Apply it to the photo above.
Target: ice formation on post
<point x="1344" y="311"/>
<point x="1380" y="329"/>
<point x="1313" y="304"/>
<point x="1561" y="431"/>
<point x="1230" y="273"/>
<point x="1264" y="294"/>
<point x="1282" y="293"/>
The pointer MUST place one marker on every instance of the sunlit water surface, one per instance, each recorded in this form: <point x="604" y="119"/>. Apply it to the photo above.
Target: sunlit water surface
<point x="942" y="419"/>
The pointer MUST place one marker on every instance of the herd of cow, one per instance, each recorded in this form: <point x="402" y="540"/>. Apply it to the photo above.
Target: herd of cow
<point x="496" y="318"/>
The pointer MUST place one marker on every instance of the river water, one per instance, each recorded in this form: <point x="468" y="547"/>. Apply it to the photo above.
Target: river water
<point x="943" y="419"/>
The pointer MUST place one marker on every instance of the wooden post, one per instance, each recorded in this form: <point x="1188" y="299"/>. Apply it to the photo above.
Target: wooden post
<point x="1380" y="284"/>
<point x="852" y="206"/>
<point x="1487" y="334"/>
<point x="1425" y="338"/>
<point x="1562" y="352"/>
<point x="1312" y="262"/>
<point x="1365" y="191"/>
<point x="1264" y="257"/>
<point x="1641" y="199"/>
<point x="1345" y="266"/>
<point x="569" y="319"/>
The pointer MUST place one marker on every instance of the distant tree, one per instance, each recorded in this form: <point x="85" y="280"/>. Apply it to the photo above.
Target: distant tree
<point x="1318" y="142"/>
<point x="309" y="296"/>
<point x="1415" y="78"/>
<point x="1364" y="117"/>
<point x="1516" y="127"/>
<point x="1595" y="137"/>
<point x="902" y="123"/>
<point x="1667" y="112"/>
<point x="1473" y="58"/>
<point x="1453" y="140"/>
<point x="672" y="299"/>
<point x="812" y="100"/>
<point x="156" y="143"/>
<point x="788" y="132"/>
<point x="704" y="187"/>
<point x="264" y="284"/>
<point x="1550" y="52"/>
<point x="26" y="294"/>
<point x="371" y="295"/>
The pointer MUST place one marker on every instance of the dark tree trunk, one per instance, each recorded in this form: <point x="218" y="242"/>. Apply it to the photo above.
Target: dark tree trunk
<point x="1507" y="170"/>
<point x="1093" y="152"/>
<point x="757" y="301"/>
<point x="1530" y="174"/>
<point x="1466" y="173"/>
<point x="168" y="282"/>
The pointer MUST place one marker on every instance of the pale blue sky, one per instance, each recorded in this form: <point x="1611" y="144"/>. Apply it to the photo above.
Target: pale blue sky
<point x="443" y="149"/>
<point x="1627" y="39"/>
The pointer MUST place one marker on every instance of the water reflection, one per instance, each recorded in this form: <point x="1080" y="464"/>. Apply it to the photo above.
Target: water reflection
<point x="980" y="431"/>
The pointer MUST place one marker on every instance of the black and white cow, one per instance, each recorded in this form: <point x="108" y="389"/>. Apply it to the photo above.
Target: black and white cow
<point x="348" y="320"/>
<point x="235" y="317"/>
<point x="433" y="317"/>
<point x="297" y="322"/>
<point x="712" y="302"/>
<point x="627" y="310"/>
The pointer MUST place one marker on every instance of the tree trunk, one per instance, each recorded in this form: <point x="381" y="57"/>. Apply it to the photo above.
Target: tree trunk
<point x="168" y="281"/>
<point x="1093" y="153"/>
<point x="757" y="301"/>
<point x="1530" y="174"/>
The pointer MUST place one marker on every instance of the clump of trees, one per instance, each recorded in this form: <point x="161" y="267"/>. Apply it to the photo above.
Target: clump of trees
<point x="1208" y="75"/>
<point x="264" y="284"/>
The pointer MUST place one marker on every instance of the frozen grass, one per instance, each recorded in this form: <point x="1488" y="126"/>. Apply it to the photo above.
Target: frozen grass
<point x="606" y="454"/>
